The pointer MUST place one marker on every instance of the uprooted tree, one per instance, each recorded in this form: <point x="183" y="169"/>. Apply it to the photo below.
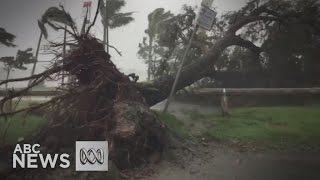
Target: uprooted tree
<point x="104" y="104"/>
<point x="101" y="104"/>
<point x="244" y="28"/>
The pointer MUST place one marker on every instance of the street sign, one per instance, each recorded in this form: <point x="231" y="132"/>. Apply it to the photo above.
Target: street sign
<point x="207" y="3"/>
<point x="206" y="17"/>
<point x="87" y="4"/>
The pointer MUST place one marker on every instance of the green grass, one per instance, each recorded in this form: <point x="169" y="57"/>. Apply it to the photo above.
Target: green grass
<point x="298" y="125"/>
<point x="19" y="127"/>
<point x="174" y="124"/>
<point x="25" y="103"/>
<point x="275" y="124"/>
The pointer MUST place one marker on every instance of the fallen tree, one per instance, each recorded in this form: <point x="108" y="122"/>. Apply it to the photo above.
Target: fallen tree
<point x="101" y="103"/>
<point x="241" y="28"/>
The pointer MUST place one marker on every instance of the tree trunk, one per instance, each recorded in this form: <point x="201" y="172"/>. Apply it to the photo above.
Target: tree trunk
<point x="107" y="34"/>
<point x="7" y="77"/>
<point x="160" y="88"/>
<point x="150" y="58"/>
<point x="37" y="54"/>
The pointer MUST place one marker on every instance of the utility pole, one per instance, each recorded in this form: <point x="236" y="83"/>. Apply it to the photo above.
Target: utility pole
<point x="205" y="21"/>
<point x="106" y="29"/>
<point x="64" y="52"/>
<point x="36" y="60"/>
<point x="180" y="69"/>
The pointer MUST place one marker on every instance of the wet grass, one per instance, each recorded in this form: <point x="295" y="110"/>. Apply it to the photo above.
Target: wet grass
<point x="270" y="125"/>
<point x="174" y="124"/>
<point x="299" y="125"/>
<point x="19" y="127"/>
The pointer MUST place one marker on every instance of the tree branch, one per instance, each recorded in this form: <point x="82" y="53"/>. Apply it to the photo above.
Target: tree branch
<point x="247" y="44"/>
<point x="95" y="18"/>
<point x="249" y="19"/>
<point x="264" y="9"/>
<point x="47" y="72"/>
<point x="119" y="52"/>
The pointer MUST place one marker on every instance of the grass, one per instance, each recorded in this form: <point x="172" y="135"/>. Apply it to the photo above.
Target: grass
<point x="174" y="124"/>
<point x="25" y="103"/>
<point x="273" y="124"/>
<point x="298" y="125"/>
<point x="19" y="127"/>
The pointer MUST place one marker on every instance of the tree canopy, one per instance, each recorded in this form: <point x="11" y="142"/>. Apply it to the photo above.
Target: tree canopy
<point x="112" y="14"/>
<point x="54" y="17"/>
<point x="248" y="28"/>
<point x="22" y="58"/>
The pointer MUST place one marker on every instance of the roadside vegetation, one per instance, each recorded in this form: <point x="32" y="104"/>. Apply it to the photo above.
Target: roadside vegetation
<point x="175" y="125"/>
<point x="19" y="127"/>
<point x="265" y="125"/>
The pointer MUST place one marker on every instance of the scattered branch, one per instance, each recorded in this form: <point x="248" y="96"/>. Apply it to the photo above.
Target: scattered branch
<point x="95" y="18"/>
<point x="113" y="47"/>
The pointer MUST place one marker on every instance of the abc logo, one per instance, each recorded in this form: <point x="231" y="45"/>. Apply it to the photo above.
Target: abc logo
<point x="91" y="155"/>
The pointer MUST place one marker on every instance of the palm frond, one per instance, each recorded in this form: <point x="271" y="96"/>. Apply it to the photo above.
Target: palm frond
<point x="157" y="16"/>
<point x="53" y="16"/>
<point x="6" y="38"/>
<point x="113" y="7"/>
<point x="120" y="20"/>
<point x="120" y="15"/>
<point x="43" y="29"/>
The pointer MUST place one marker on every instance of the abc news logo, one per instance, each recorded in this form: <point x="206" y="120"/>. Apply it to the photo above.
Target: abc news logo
<point x="90" y="156"/>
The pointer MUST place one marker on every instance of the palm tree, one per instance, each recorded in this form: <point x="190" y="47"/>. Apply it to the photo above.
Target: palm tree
<point x="112" y="18"/>
<point x="155" y="18"/>
<point x="22" y="58"/>
<point x="53" y="17"/>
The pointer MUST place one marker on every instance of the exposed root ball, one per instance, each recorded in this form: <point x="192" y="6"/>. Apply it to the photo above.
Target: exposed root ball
<point x="102" y="103"/>
<point x="137" y="134"/>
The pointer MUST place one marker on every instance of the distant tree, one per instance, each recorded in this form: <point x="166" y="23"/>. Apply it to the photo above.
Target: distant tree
<point x="146" y="50"/>
<point x="238" y="59"/>
<point x="168" y="36"/>
<point x="293" y="50"/>
<point x="22" y="58"/>
<point x="111" y="15"/>
<point x="6" y="38"/>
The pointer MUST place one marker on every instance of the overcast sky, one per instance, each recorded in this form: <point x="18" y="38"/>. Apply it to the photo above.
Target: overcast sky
<point x="19" y="17"/>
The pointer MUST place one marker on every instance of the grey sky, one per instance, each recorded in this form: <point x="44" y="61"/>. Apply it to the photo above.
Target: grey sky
<point x="19" y="17"/>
